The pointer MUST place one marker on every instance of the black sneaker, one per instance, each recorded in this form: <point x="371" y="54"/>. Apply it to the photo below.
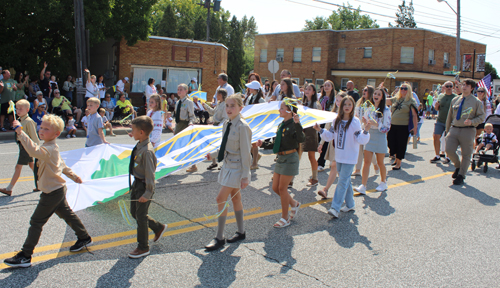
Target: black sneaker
<point x="446" y="160"/>
<point x="215" y="244"/>
<point x="19" y="260"/>
<point x="80" y="243"/>
<point x="237" y="237"/>
<point x="459" y="180"/>
<point x="435" y="159"/>
<point x="455" y="174"/>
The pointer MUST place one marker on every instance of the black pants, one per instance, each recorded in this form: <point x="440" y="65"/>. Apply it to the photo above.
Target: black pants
<point x="202" y="114"/>
<point x="397" y="140"/>
<point x="321" y="159"/>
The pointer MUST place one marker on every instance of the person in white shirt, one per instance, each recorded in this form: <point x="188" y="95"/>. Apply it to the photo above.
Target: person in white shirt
<point x="101" y="87"/>
<point x="222" y="81"/>
<point x="150" y="89"/>
<point x="169" y="122"/>
<point x="199" y="111"/>
<point x="91" y="86"/>
<point x="296" y="90"/>
<point x="120" y="87"/>
<point x="347" y="133"/>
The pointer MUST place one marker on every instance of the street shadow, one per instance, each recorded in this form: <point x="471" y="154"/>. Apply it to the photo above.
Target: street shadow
<point x="9" y="200"/>
<point x="218" y="268"/>
<point x="345" y="230"/>
<point x="278" y="246"/>
<point x="474" y="193"/>
<point x="379" y="204"/>
<point x="120" y="274"/>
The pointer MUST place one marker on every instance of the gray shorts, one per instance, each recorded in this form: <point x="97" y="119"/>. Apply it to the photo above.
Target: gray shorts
<point x="439" y="128"/>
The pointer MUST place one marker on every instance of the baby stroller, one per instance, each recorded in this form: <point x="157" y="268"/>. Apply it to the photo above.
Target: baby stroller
<point x="479" y="158"/>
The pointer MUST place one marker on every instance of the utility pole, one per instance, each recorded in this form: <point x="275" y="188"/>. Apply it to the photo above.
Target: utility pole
<point x="81" y="41"/>
<point x="216" y="7"/>
<point x="458" y="35"/>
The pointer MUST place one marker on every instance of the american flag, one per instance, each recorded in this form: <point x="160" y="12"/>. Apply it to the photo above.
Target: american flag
<point x="486" y="84"/>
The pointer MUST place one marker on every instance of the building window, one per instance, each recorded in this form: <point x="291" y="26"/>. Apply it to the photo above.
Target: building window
<point x="407" y="55"/>
<point x="319" y="82"/>
<point x="368" y="52"/>
<point x="371" y="82"/>
<point x="176" y="76"/>
<point x="263" y="55"/>
<point x="446" y="57"/>
<point x="316" y="54"/>
<point x="280" y="53"/>
<point x="297" y="54"/>
<point x="142" y="75"/>
<point x="297" y="80"/>
<point x="343" y="83"/>
<point x="431" y="57"/>
<point x="341" y="55"/>
<point x="308" y="80"/>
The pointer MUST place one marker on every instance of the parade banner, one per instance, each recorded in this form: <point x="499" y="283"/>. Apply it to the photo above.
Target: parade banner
<point x="104" y="168"/>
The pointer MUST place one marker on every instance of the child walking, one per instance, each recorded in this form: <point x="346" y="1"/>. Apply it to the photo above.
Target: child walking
<point x="53" y="186"/>
<point x="219" y="114"/>
<point x="287" y="143"/>
<point x="30" y="127"/>
<point x="155" y="113"/>
<point x="348" y="135"/>
<point x="142" y="167"/>
<point x="234" y="175"/>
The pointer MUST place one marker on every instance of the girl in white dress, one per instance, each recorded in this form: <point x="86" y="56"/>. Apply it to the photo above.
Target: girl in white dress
<point x="155" y="113"/>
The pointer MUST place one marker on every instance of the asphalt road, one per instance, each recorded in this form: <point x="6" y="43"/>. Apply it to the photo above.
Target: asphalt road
<point x="422" y="232"/>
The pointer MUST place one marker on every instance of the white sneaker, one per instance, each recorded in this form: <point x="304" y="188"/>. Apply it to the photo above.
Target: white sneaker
<point x="67" y="136"/>
<point x="345" y="209"/>
<point x="382" y="187"/>
<point x="333" y="212"/>
<point x="321" y="168"/>
<point x="73" y="136"/>
<point x="377" y="171"/>
<point x="361" y="189"/>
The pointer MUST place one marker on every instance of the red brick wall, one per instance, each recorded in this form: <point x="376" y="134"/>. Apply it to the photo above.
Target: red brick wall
<point x="386" y="53"/>
<point x="157" y="52"/>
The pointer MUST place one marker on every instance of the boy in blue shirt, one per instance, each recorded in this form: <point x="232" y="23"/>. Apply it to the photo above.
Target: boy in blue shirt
<point x="95" y="134"/>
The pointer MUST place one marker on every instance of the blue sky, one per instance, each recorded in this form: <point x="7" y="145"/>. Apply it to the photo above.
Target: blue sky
<point x="274" y="16"/>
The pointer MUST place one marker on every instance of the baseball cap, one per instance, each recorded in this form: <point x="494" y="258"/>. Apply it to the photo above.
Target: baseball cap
<point x="126" y="79"/>
<point x="39" y="93"/>
<point x="253" y="85"/>
<point x="193" y="79"/>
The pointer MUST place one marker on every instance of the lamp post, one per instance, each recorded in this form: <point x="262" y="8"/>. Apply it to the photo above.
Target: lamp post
<point x="458" y="31"/>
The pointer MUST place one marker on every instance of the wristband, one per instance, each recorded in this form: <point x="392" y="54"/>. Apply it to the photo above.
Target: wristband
<point x="15" y="128"/>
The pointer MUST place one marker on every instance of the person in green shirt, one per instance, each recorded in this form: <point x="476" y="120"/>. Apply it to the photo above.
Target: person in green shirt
<point x="8" y="89"/>
<point x="61" y="105"/>
<point x="442" y="106"/>
<point x="430" y="100"/>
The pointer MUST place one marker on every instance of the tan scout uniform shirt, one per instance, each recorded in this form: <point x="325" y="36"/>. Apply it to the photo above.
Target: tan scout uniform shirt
<point x="187" y="110"/>
<point x="238" y="144"/>
<point x="477" y="115"/>
<point x="145" y="166"/>
<point x="50" y="164"/>
<point x="219" y="112"/>
<point x="29" y="127"/>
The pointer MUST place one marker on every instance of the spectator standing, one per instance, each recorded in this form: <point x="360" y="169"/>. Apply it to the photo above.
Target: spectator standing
<point x="91" y="88"/>
<point x="101" y="87"/>
<point x="222" y="81"/>
<point x="69" y="87"/>
<point x="351" y="92"/>
<point x="120" y="87"/>
<point x="442" y="106"/>
<point x="193" y="86"/>
<point x="45" y="81"/>
<point x="8" y="89"/>
<point x="150" y="89"/>
<point x="21" y="83"/>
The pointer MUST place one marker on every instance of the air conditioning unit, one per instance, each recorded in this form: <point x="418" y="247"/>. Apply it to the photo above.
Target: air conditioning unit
<point x="279" y="59"/>
<point x="497" y="88"/>
<point x="432" y="62"/>
<point x="447" y="65"/>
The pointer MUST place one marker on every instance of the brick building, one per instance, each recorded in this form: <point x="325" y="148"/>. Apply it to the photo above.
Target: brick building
<point x="171" y="60"/>
<point x="364" y="56"/>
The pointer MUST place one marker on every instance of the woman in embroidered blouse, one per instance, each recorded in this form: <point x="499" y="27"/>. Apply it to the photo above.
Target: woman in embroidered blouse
<point x="381" y="124"/>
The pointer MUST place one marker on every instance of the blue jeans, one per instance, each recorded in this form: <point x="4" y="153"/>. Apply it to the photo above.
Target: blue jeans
<point x="343" y="191"/>
<point x="418" y="129"/>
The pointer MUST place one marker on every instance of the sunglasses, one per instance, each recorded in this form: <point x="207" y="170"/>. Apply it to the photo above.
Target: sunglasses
<point x="56" y="93"/>
<point x="479" y="91"/>
<point x="448" y="86"/>
<point x="403" y="88"/>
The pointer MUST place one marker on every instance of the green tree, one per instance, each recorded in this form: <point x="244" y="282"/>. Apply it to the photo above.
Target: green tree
<point x="345" y="18"/>
<point x="168" y="23"/>
<point x="404" y="16"/>
<point x="35" y="31"/>
<point x="488" y="68"/>
<point x="235" y="59"/>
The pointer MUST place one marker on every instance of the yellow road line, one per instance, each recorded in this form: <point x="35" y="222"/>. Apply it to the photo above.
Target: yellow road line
<point x="23" y="180"/>
<point x="8" y="179"/>
<point x="184" y="230"/>
<point x="119" y="235"/>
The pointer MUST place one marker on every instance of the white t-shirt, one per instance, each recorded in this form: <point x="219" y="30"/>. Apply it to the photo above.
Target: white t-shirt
<point x="92" y="90"/>
<point x="120" y="86"/>
<point x="150" y="91"/>
<point x="102" y="93"/>
<point x="168" y="122"/>
<point x="156" y="116"/>
<point x="229" y="88"/>
<point x="84" y="121"/>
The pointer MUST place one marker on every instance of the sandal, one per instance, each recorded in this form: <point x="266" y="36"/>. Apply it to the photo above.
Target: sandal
<point x="323" y="193"/>
<point x="254" y="167"/>
<point x="294" y="211"/>
<point x="212" y="166"/>
<point x="281" y="223"/>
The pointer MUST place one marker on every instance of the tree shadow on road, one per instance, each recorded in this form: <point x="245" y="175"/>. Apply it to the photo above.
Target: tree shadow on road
<point x="345" y="230"/>
<point x="479" y="195"/>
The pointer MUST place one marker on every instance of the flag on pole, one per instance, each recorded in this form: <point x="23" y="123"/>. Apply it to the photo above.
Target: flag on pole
<point x="486" y="84"/>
